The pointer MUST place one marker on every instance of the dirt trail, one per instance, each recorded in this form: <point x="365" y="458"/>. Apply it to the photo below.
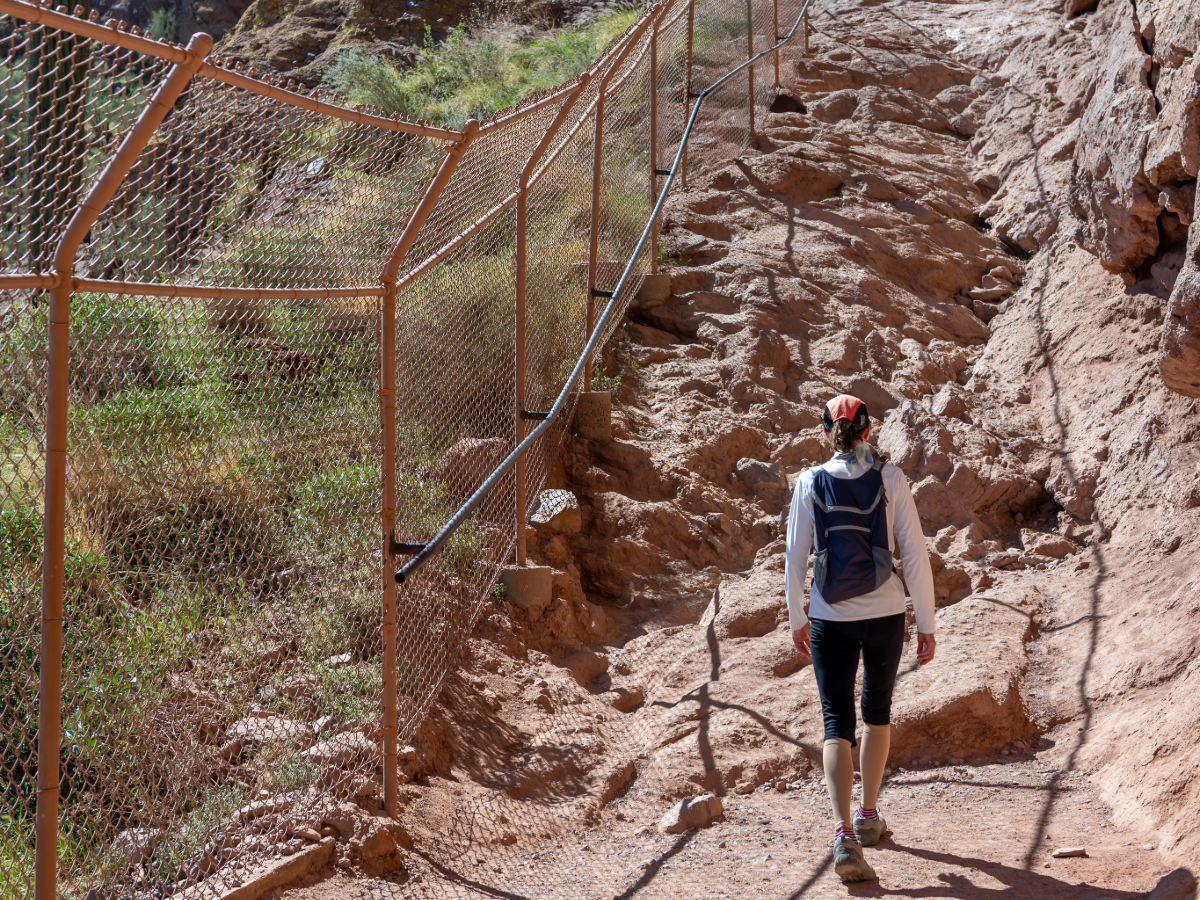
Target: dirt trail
<point x="921" y="229"/>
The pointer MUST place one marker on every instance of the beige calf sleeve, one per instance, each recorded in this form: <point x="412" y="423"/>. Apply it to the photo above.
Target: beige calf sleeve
<point x="839" y="778"/>
<point x="872" y="758"/>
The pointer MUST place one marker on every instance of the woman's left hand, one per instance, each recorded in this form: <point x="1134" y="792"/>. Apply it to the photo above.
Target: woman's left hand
<point x="803" y="640"/>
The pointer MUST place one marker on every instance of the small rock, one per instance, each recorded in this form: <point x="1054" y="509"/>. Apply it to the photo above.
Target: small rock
<point x="342" y="659"/>
<point x="694" y="812"/>
<point x="558" y="511"/>
<point x="1063" y="852"/>
<point x="1147" y="846"/>
<point x="625" y="699"/>
<point x="279" y="804"/>
<point x="642" y="829"/>
<point x="299" y="686"/>
<point x="259" y="730"/>
<point x="136" y="845"/>
<point x="343" y="749"/>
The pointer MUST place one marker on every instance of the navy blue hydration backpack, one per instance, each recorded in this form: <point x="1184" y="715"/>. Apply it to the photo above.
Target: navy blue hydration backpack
<point x="852" y="556"/>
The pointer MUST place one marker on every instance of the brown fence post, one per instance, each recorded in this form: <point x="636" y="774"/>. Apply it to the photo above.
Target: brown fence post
<point x="775" y="32"/>
<point x="521" y="262"/>
<point x="749" y="55"/>
<point x="687" y="99"/>
<point x="57" y="420"/>
<point x="387" y="414"/>
<point x="806" y="29"/>
<point x="597" y="169"/>
<point x="654" y="144"/>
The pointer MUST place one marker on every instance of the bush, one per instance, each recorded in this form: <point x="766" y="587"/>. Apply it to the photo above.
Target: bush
<point x="162" y="24"/>
<point x="117" y="343"/>
<point x="475" y="75"/>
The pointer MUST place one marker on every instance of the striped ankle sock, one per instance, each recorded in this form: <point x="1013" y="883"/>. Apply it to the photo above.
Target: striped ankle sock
<point x="866" y="813"/>
<point x="847" y="833"/>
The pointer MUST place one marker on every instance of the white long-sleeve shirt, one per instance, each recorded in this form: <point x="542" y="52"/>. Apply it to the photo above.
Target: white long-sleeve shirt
<point x="904" y="529"/>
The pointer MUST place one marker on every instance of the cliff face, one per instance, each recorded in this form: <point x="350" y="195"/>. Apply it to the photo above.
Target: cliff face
<point x="981" y="221"/>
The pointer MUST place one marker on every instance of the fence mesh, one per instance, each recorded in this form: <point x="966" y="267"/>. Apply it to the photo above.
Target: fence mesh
<point x="223" y="663"/>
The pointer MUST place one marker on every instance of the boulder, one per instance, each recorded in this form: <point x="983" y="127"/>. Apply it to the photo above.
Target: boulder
<point x="345" y="750"/>
<point x="878" y="398"/>
<point x="694" y="812"/>
<point x="764" y="480"/>
<point x="585" y="666"/>
<point x="467" y="464"/>
<point x="136" y="845"/>
<point x="255" y="731"/>
<point x="557" y="511"/>
<point x="1177" y="885"/>
<point x="625" y="699"/>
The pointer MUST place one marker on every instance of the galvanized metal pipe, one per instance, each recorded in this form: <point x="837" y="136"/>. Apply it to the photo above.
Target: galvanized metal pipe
<point x="57" y="420"/>
<point x="431" y="549"/>
<point x="387" y="414"/>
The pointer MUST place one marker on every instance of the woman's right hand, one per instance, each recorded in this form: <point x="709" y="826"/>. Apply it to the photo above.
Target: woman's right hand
<point x="926" y="644"/>
<point x="802" y="638"/>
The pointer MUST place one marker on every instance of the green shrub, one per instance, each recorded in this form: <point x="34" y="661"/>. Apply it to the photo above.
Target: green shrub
<point x="117" y="343"/>
<point x="162" y="24"/>
<point x="474" y="75"/>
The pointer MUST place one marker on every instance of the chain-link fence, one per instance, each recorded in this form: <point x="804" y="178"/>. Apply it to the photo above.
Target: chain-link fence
<point x="241" y="323"/>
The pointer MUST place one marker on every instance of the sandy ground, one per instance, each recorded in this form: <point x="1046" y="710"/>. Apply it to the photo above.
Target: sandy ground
<point x="967" y="833"/>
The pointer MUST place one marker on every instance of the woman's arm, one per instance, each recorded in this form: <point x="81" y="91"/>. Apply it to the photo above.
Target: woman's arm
<point x="799" y="543"/>
<point x="910" y="541"/>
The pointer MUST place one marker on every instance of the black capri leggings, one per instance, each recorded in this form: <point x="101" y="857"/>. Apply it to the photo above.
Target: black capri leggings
<point x="835" y="652"/>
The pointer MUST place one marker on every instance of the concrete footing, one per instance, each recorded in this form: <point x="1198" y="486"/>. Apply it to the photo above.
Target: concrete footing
<point x="656" y="288"/>
<point x="529" y="587"/>
<point x="593" y="416"/>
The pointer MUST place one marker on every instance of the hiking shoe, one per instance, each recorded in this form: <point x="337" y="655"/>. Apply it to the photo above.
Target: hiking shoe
<point x="869" y="831"/>
<point x="848" y="861"/>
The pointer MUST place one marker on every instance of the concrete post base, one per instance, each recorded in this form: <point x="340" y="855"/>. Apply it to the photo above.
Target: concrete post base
<point x="656" y="288"/>
<point x="529" y="587"/>
<point x="593" y="416"/>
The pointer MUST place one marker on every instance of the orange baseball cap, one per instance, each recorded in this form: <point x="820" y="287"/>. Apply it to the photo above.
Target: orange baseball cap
<point x="846" y="406"/>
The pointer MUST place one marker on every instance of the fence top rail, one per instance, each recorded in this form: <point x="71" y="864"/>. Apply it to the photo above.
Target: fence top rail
<point x="430" y="549"/>
<point x="113" y="33"/>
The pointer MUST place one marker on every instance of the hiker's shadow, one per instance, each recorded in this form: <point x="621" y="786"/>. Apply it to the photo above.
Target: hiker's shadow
<point x="1018" y="884"/>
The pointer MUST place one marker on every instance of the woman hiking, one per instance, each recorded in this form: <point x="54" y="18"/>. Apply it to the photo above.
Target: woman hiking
<point x="859" y="513"/>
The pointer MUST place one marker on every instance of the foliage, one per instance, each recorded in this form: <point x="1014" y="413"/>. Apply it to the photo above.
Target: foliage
<point x="162" y="24"/>
<point x="474" y="75"/>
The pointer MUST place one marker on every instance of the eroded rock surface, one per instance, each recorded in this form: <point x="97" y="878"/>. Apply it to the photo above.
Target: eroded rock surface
<point x="979" y="219"/>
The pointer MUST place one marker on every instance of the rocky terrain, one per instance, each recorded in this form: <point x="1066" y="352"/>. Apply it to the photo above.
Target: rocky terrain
<point x="976" y="216"/>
